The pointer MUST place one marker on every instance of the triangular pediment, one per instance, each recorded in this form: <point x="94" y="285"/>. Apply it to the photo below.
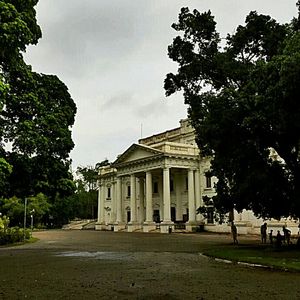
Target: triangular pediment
<point x="137" y="152"/>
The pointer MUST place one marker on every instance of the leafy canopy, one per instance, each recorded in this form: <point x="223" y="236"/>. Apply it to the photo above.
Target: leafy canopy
<point x="36" y="113"/>
<point x="243" y="97"/>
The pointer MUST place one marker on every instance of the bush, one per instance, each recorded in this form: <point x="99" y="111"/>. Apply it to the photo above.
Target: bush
<point x="13" y="235"/>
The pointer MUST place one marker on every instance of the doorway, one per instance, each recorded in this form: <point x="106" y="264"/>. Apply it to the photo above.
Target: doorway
<point x="156" y="216"/>
<point x="128" y="216"/>
<point x="173" y="214"/>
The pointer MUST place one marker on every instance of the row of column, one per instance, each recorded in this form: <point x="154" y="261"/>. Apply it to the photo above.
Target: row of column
<point x="116" y="190"/>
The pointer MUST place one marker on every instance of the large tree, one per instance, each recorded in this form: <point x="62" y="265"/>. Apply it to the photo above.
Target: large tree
<point x="36" y="112"/>
<point x="87" y="189"/>
<point x="243" y="97"/>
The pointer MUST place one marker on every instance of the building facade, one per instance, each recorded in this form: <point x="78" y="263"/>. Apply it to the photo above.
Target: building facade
<point x="158" y="184"/>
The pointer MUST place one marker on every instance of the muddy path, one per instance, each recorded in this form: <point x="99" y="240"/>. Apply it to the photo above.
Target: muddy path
<point x="108" y="265"/>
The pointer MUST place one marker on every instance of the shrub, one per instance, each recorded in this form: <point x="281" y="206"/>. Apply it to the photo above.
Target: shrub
<point x="13" y="235"/>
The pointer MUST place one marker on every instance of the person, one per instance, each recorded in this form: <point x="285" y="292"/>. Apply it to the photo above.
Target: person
<point x="286" y="235"/>
<point x="278" y="239"/>
<point x="234" y="233"/>
<point x="263" y="232"/>
<point x="271" y="236"/>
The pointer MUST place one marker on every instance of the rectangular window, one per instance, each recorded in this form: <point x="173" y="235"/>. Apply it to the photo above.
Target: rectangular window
<point x="210" y="215"/>
<point x="128" y="191"/>
<point x="108" y="193"/>
<point x="155" y="187"/>
<point x="208" y="181"/>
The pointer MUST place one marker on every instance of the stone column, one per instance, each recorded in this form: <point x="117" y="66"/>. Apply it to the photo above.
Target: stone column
<point x="161" y="196"/>
<point x="141" y="196"/>
<point x="197" y="192"/>
<point x="113" y="203"/>
<point x="133" y="198"/>
<point x="149" y="225"/>
<point x="100" y="225"/>
<point x="103" y="198"/>
<point x="119" y="200"/>
<point x="191" y="196"/>
<point x="178" y="189"/>
<point x="166" y="195"/>
<point x="167" y="225"/>
<point x="100" y="204"/>
<point x="149" y="209"/>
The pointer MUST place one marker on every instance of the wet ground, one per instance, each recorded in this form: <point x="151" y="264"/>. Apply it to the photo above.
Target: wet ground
<point x="111" y="265"/>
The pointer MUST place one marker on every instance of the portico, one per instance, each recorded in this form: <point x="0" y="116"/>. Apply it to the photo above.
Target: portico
<point x="151" y="189"/>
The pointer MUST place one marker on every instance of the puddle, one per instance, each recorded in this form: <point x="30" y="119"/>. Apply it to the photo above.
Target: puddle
<point x="97" y="255"/>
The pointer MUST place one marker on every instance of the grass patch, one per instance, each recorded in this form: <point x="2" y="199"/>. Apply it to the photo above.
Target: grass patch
<point x="285" y="258"/>
<point x="31" y="240"/>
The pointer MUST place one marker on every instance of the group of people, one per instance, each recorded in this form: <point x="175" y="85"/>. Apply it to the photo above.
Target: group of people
<point x="279" y="238"/>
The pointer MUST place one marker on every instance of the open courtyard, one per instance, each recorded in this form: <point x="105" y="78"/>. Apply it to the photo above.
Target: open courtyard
<point x="109" y="265"/>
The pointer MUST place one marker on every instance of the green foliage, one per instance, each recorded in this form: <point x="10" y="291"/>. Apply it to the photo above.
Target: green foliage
<point x="4" y="222"/>
<point x="38" y="206"/>
<point x="63" y="210"/>
<point x="14" y="209"/>
<point x="208" y="211"/>
<point x="83" y="203"/>
<point x="244" y="103"/>
<point x="5" y="171"/>
<point x="86" y="197"/>
<point x="10" y="235"/>
<point x="88" y="177"/>
<point x="14" y="235"/>
<point x="37" y="122"/>
<point x="18" y="26"/>
<point x="36" y="115"/>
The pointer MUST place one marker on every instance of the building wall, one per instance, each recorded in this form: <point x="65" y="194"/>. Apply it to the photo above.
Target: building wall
<point x="177" y="142"/>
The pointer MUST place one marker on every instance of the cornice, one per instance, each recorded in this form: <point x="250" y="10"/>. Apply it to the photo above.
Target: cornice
<point x="157" y="162"/>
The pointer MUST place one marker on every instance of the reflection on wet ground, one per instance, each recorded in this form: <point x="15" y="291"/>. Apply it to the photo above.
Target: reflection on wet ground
<point x="98" y="255"/>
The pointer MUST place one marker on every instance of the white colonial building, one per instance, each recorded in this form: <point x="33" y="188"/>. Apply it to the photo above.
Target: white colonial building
<point x="158" y="184"/>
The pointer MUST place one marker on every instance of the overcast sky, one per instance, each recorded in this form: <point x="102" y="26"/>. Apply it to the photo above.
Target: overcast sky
<point x="112" y="55"/>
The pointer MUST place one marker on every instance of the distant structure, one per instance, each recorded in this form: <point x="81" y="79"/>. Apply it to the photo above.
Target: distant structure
<point x="158" y="184"/>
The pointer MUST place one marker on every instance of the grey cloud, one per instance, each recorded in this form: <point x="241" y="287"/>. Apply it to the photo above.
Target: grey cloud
<point x="155" y="107"/>
<point x="84" y="35"/>
<point x="112" y="54"/>
<point x="118" y="101"/>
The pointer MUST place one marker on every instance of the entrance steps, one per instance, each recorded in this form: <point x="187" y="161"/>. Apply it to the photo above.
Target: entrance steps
<point x="80" y="224"/>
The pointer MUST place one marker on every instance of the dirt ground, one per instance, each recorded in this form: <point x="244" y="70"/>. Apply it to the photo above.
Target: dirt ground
<point x="111" y="265"/>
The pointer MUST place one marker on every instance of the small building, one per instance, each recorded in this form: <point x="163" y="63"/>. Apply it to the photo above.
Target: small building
<point x="158" y="184"/>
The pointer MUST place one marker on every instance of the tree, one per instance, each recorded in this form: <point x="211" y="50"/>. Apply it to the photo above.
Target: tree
<point x="14" y="209"/>
<point x="36" y="112"/>
<point x="18" y="28"/>
<point x="88" y="177"/>
<point x="38" y="127"/>
<point x="87" y="189"/>
<point x="5" y="171"/>
<point x="39" y="207"/>
<point x="244" y="105"/>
